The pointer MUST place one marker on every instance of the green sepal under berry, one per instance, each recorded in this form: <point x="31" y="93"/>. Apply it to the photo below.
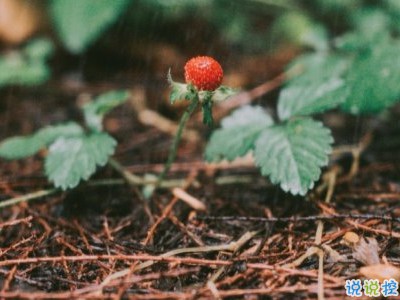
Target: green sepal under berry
<point x="183" y="91"/>
<point x="220" y="94"/>
<point x="180" y="91"/>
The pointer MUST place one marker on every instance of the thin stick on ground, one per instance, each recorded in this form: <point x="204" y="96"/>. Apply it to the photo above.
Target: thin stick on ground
<point x="27" y="197"/>
<point x="295" y="219"/>
<point x="188" y="199"/>
<point x="226" y="247"/>
<point x="331" y="178"/>
<point x="152" y="118"/>
<point x="356" y="151"/>
<point x="315" y="250"/>
<point x="26" y="220"/>
<point x="133" y="179"/>
<point x="167" y="210"/>
<point x="246" y="97"/>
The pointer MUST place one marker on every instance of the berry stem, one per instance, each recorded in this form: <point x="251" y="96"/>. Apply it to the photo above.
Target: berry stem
<point x="178" y="136"/>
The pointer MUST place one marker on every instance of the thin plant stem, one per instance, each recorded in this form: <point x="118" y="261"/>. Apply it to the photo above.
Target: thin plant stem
<point x="27" y="197"/>
<point x="129" y="177"/>
<point x="174" y="147"/>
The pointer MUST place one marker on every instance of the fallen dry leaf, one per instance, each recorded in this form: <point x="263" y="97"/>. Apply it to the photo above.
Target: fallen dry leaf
<point x="366" y="251"/>
<point x="381" y="272"/>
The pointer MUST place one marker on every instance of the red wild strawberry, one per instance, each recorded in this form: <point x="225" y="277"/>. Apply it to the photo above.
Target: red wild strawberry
<point x="204" y="72"/>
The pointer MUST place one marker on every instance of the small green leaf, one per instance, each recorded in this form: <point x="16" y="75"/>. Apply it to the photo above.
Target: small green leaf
<point x="247" y="115"/>
<point x="23" y="146"/>
<point x="300" y="29"/>
<point x="292" y="154"/>
<point x="80" y="23"/>
<point x="373" y="79"/>
<point x="319" y="86"/>
<point x="39" y="49"/>
<point x="73" y="159"/>
<point x="95" y="110"/>
<point x="27" y="66"/>
<point x="238" y="133"/>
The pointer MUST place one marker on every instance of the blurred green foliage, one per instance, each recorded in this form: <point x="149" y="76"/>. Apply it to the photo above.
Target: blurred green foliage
<point x="26" y="66"/>
<point x="80" y="23"/>
<point x="246" y="26"/>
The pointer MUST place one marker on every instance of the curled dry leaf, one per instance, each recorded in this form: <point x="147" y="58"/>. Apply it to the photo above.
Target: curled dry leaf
<point x="366" y="251"/>
<point x="381" y="272"/>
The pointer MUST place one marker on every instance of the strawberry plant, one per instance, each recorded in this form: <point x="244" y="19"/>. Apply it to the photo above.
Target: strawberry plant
<point x="203" y="87"/>
<point x="356" y="72"/>
<point x="359" y="74"/>
<point x="74" y="152"/>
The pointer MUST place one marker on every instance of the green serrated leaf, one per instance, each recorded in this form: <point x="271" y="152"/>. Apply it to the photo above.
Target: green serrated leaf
<point x="318" y="66"/>
<point x="292" y="154"/>
<point x="50" y="133"/>
<point x="80" y="23"/>
<point x="95" y="110"/>
<point x="247" y="115"/>
<point x="23" y="146"/>
<point x="373" y="79"/>
<point x="307" y="98"/>
<point x="319" y="86"/>
<point x="73" y="159"/>
<point x="238" y="133"/>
